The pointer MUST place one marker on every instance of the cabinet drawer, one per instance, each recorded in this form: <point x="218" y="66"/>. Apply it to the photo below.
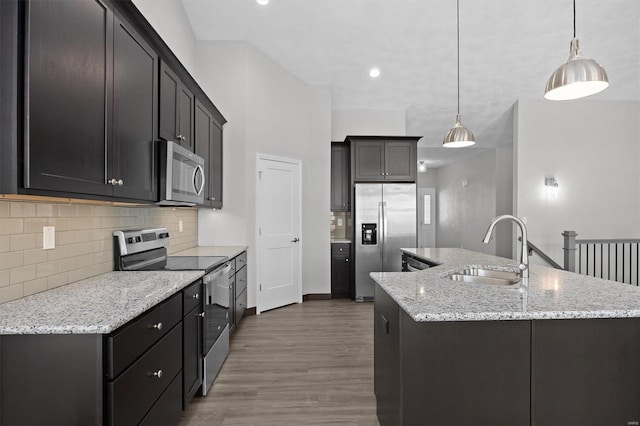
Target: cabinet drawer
<point x="132" y="394"/>
<point x="130" y="341"/>
<point x="340" y="248"/>
<point x="241" y="306"/>
<point x="241" y="261"/>
<point x="241" y="281"/>
<point x="192" y="297"/>
<point x="167" y="410"/>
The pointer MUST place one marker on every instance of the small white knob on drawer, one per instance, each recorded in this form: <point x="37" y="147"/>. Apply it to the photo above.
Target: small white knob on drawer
<point x="219" y="327"/>
<point x="201" y="314"/>
<point x="196" y="296"/>
<point x="120" y="182"/>
<point x="157" y="374"/>
<point x="158" y="326"/>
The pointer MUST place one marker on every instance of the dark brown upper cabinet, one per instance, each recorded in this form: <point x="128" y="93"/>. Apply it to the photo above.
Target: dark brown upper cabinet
<point x="68" y="96"/>
<point x="208" y="141"/>
<point x="383" y="159"/>
<point x="176" y="109"/>
<point x="340" y="177"/>
<point x="83" y="90"/>
<point x="135" y="112"/>
<point x="91" y="102"/>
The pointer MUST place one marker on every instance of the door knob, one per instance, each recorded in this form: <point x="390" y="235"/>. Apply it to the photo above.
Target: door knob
<point x="295" y="240"/>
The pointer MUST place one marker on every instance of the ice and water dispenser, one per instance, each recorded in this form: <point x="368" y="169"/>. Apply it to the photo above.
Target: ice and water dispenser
<point x="369" y="234"/>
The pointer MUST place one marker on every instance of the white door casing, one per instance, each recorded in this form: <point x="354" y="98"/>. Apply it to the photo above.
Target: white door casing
<point x="426" y="219"/>
<point x="278" y="225"/>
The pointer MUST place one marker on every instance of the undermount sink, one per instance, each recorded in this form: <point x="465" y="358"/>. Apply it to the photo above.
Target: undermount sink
<point x="486" y="276"/>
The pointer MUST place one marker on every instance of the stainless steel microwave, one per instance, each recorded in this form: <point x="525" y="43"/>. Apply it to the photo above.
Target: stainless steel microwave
<point x="182" y="176"/>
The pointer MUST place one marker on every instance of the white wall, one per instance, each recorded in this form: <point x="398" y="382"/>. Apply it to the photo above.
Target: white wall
<point x="592" y="148"/>
<point x="366" y="122"/>
<point x="170" y="20"/>
<point x="270" y="112"/>
<point x="465" y="212"/>
<point x="429" y="179"/>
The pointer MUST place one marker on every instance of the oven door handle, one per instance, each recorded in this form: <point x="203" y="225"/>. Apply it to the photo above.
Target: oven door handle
<point x="217" y="273"/>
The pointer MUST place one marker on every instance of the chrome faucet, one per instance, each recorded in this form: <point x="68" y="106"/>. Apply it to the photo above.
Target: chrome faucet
<point x="524" y="257"/>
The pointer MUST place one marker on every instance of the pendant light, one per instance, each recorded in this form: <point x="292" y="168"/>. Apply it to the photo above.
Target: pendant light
<point x="577" y="77"/>
<point x="458" y="136"/>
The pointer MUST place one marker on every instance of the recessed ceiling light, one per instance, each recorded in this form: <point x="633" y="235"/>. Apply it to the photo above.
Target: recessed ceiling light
<point x="262" y="2"/>
<point x="374" y="72"/>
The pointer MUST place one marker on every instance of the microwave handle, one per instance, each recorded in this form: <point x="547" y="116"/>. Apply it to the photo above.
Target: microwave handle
<point x="195" y="174"/>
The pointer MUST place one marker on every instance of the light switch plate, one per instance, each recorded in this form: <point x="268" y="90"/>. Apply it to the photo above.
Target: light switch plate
<point x="48" y="237"/>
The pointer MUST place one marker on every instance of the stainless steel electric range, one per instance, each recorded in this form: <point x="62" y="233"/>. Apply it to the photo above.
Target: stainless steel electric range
<point x="146" y="250"/>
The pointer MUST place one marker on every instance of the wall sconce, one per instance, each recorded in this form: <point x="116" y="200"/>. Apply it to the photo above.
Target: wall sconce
<point x="422" y="167"/>
<point x="552" y="186"/>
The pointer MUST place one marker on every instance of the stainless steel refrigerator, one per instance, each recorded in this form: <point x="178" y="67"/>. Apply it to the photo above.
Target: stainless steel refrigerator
<point x="385" y="215"/>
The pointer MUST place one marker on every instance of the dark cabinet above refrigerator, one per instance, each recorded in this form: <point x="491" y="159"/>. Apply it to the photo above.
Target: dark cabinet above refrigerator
<point x="383" y="158"/>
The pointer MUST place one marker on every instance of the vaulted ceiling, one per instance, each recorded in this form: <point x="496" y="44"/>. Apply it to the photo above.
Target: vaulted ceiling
<point x="508" y="50"/>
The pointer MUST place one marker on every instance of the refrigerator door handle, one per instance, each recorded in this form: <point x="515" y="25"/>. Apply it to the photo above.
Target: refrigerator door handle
<point x="383" y="230"/>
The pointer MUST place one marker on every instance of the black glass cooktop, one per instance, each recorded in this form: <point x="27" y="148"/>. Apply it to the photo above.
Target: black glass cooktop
<point x="194" y="263"/>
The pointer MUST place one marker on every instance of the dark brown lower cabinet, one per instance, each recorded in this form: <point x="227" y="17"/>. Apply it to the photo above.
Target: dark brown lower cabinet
<point x="341" y="273"/>
<point x="192" y="342"/>
<point x="133" y="375"/>
<point x="539" y="372"/>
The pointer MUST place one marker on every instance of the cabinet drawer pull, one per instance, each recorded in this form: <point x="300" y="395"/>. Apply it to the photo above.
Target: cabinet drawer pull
<point x="158" y="326"/>
<point x="120" y="182"/>
<point x="219" y="327"/>
<point x="180" y="137"/>
<point x="157" y="374"/>
<point x="112" y="182"/>
<point x="201" y="314"/>
<point x="346" y="260"/>
<point x="212" y="198"/>
<point x="196" y="296"/>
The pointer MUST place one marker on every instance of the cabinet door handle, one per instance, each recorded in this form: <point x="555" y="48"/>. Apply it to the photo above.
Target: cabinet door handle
<point x="212" y="198"/>
<point x="158" y="326"/>
<point x="385" y="324"/>
<point x="196" y="296"/>
<point x="347" y="259"/>
<point x="180" y="137"/>
<point x="201" y="314"/>
<point x="381" y="173"/>
<point x="157" y="374"/>
<point x="120" y="182"/>
<point x="112" y="182"/>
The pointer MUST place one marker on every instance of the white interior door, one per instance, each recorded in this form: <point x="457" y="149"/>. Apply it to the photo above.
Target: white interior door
<point x="278" y="225"/>
<point x="426" y="217"/>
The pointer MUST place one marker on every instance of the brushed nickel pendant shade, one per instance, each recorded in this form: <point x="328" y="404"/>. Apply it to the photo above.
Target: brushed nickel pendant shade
<point x="577" y="77"/>
<point x="458" y="136"/>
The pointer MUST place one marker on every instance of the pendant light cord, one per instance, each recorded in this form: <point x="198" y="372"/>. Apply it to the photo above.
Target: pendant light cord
<point x="458" y="30"/>
<point x="574" y="18"/>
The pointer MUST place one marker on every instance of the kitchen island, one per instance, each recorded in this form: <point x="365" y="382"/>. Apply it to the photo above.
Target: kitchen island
<point x="555" y="349"/>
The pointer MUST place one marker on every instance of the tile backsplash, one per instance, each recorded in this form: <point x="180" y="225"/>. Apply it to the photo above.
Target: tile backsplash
<point x="340" y="225"/>
<point x="83" y="241"/>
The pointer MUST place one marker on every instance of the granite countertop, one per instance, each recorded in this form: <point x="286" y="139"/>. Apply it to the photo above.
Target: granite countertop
<point x="340" y="240"/>
<point x="229" y="251"/>
<point x="96" y="305"/>
<point x="550" y="293"/>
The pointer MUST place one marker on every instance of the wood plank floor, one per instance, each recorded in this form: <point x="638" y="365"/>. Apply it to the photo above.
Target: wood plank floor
<point x="303" y="364"/>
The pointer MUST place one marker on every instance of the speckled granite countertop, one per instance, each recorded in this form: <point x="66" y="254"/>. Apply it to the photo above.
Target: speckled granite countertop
<point x="229" y="251"/>
<point x="550" y="293"/>
<point x="96" y="305"/>
<point x="340" y="240"/>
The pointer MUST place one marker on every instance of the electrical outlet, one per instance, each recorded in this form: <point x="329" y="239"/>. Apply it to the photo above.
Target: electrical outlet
<point x="339" y="222"/>
<point x="48" y="237"/>
<point x="180" y="227"/>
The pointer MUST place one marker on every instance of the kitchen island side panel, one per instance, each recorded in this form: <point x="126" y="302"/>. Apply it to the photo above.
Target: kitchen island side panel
<point x="51" y="379"/>
<point x="465" y="373"/>
<point x="586" y="372"/>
